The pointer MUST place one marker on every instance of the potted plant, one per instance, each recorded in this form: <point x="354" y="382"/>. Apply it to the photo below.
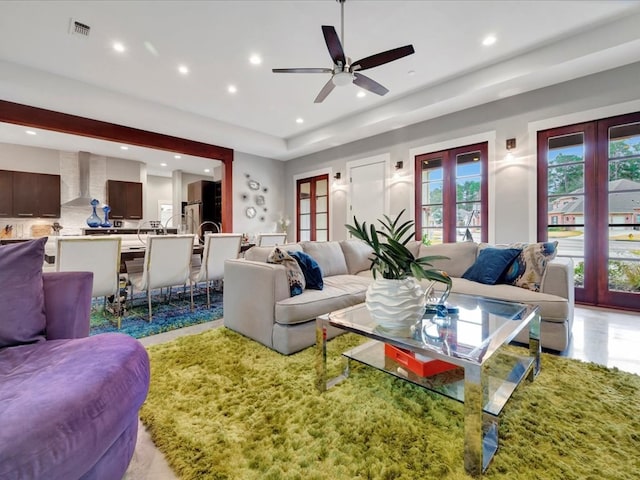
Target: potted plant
<point x="396" y="298"/>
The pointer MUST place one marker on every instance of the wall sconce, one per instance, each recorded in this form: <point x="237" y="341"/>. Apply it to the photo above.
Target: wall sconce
<point x="399" y="165"/>
<point x="337" y="176"/>
<point x="511" y="143"/>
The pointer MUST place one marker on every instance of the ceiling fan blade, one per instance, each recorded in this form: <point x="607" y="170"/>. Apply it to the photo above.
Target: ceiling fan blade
<point x="326" y="90"/>
<point x="368" y="84"/>
<point x="334" y="45"/>
<point x="382" y="58"/>
<point x="301" y="70"/>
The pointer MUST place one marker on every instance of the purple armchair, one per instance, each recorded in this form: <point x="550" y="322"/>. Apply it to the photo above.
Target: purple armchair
<point x="69" y="404"/>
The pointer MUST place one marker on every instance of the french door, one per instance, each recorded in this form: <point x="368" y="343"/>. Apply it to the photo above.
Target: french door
<point x="312" y="208"/>
<point x="451" y="195"/>
<point x="589" y="201"/>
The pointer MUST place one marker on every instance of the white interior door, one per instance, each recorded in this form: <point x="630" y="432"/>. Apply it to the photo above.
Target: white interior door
<point x="367" y="192"/>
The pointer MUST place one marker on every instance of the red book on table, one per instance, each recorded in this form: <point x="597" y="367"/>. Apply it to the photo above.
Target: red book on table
<point x="421" y="366"/>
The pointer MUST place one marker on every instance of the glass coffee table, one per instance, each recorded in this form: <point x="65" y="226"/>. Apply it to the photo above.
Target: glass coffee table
<point x="468" y="344"/>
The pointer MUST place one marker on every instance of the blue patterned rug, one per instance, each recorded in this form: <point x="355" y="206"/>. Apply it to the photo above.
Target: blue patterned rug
<point x="166" y="317"/>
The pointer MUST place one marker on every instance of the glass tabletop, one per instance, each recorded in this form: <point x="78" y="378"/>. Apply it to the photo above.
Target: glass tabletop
<point x="471" y="331"/>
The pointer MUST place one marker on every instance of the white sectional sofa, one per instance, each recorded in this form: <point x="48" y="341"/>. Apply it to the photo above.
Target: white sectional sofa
<point x="257" y="302"/>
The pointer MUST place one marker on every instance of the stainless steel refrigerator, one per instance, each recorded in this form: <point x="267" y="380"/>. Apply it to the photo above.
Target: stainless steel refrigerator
<point x="198" y="223"/>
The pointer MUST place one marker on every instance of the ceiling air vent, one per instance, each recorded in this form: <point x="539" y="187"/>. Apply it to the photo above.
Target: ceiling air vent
<point x="77" y="28"/>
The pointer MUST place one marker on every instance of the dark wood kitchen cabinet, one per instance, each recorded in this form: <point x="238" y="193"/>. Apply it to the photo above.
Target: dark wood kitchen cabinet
<point x="36" y="195"/>
<point x="125" y="199"/>
<point x="6" y="193"/>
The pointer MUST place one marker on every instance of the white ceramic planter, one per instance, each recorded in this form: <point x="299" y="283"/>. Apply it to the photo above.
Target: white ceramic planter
<point x="395" y="305"/>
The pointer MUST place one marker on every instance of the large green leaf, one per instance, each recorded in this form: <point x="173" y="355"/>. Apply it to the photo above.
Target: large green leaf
<point x="391" y="257"/>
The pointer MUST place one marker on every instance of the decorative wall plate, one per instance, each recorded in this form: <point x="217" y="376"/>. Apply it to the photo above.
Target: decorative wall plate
<point x="253" y="185"/>
<point x="250" y="212"/>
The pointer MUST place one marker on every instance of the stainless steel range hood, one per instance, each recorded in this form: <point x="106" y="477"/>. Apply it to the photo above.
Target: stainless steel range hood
<point x="84" y="170"/>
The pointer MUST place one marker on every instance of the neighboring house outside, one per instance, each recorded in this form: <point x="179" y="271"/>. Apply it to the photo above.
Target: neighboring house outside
<point x="624" y="207"/>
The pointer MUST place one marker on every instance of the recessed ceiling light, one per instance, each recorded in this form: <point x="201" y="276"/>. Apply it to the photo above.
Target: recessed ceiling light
<point x="411" y="72"/>
<point x="232" y="89"/>
<point x="163" y="164"/>
<point x="299" y="120"/>
<point x="255" y="59"/>
<point x="361" y="94"/>
<point x="30" y="132"/>
<point x="177" y="157"/>
<point x="118" y="47"/>
<point x="489" y="40"/>
<point x="183" y="69"/>
<point x="124" y="147"/>
<point x="206" y="170"/>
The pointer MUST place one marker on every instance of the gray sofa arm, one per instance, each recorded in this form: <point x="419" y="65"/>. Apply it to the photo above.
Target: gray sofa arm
<point x="251" y="290"/>
<point x="558" y="279"/>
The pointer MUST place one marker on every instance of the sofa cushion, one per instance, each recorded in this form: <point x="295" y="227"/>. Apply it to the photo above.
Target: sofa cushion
<point x="310" y="269"/>
<point x="295" y="277"/>
<point x="22" y="317"/>
<point x="340" y="291"/>
<point x="260" y="254"/>
<point x="461" y="256"/>
<point x="552" y="307"/>
<point x="65" y="402"/>
<point x="490" y="264"/>
<point x="328" y="255"/>
<point x="357" y="254"/>
<point x="414" y="247"/>
<point x="528" y="269"/>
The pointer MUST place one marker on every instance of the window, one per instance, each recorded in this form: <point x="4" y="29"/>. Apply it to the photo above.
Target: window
<point x="312" y="196"/>
<point x="451" y="195"/>
<point x="589" y="179"/>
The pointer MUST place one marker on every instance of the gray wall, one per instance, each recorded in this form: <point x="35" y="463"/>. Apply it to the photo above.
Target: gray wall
<point x="270" y="174"/>
<point x="29" y="159"/>
<point x="157" y="188"/>
<point x="512" y="181"/>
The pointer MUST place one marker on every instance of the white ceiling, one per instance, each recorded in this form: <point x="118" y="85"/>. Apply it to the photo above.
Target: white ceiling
<point x="538" y="43"/>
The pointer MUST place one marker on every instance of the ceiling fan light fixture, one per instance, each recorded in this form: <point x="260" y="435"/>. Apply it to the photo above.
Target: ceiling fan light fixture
<point x="342" y="78"/>
<point x="344" y="71"/>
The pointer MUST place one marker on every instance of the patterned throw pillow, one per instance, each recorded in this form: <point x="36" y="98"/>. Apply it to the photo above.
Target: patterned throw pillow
<point x="527" y="270"/>
<point x="294" y="272"/>
<point x="310" y="269"/>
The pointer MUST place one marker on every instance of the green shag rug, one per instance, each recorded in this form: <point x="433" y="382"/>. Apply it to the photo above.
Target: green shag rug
<point x="224" y="407"/>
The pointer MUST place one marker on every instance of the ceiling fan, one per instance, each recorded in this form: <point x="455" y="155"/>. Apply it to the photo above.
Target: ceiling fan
<point x="344" y="71"/>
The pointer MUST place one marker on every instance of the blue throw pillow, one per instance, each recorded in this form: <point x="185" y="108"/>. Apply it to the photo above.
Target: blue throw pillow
<point x="310" y="269"/>
<point x="490" y="264"/>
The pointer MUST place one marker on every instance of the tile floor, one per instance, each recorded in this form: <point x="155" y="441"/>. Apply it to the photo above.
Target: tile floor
<point x="607" y="337"/>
